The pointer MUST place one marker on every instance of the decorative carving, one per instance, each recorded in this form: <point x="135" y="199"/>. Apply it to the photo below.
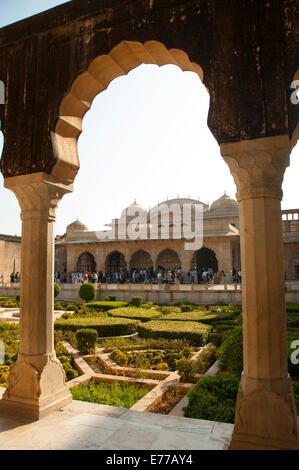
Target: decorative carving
<point x="258" y="166"/>
<point x="38" y="194"/>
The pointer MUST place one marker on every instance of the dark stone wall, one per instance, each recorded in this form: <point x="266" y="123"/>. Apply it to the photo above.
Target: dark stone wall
<point x="248" y="50"/>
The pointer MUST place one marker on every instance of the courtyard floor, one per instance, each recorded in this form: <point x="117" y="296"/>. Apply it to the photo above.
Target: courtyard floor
<point x="87" y="426"/>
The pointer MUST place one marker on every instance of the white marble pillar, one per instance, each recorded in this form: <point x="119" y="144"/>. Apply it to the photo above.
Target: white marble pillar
<point x="36" y="382"/>
<point x="265" y="413"/>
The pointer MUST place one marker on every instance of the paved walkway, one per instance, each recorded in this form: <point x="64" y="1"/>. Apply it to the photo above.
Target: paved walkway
<point x="87" y="426"/>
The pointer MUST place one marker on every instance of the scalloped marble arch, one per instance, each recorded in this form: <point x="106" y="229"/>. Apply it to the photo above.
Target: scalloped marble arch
<point x="123" y="58"/>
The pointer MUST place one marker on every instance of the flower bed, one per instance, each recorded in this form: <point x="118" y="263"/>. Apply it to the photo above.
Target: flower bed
<point x="100" y="367"/>
<point x="105" y="326"/>
<point x="193" y="332"/>
<point x="115" y="394"/>
<point x="157" y="360"/>
<point x="167" y="401"/>
<point x="136" y="313"/>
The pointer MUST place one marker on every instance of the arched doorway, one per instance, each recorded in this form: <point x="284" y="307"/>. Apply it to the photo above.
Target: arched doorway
<point x="205" y="258"/>
<point x="168" y="259"/>
<point x="115" y="262"/>
<point x="86" y="263"/>
<point x="141" y="259"/>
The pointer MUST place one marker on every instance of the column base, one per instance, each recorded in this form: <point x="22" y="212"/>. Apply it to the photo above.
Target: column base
<point x="36" y="387"/>
<point x="249" y="442"/>
<point x="265" y="415"/>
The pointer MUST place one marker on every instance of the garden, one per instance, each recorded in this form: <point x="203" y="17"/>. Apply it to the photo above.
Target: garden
<point x="148" y="357"/>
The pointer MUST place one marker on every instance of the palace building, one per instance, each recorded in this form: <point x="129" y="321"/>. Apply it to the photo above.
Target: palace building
<point x="82" y="250"/>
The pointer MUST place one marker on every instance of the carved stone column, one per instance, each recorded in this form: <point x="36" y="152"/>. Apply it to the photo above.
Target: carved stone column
<point x="265" y="413"/>
<point x="37" y="381"/>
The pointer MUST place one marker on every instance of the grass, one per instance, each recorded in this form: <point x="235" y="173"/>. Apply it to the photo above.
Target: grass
<point x="121" y="395"/>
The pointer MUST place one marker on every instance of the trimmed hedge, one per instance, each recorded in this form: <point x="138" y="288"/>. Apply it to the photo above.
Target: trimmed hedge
<point x="105" y="326"/>
<point x="86" y="339"/>
<point x="104" y="305"/>
<point x="230" y="353"/>
<point x="136" y="301"/>
<point x="57" y="289"/>
<point x="203" y="317"/>
<point x="214" y="398"/>
<point x="87" y="292"/>
<point x="292" y="308"/>
<point x="195" y="333"/>
<point x="137" y="313"/>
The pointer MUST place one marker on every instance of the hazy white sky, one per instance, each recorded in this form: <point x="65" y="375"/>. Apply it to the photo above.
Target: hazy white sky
<point x="145" y="137"/>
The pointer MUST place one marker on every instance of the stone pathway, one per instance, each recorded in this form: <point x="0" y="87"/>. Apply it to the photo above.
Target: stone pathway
<point x="88" y="426"/>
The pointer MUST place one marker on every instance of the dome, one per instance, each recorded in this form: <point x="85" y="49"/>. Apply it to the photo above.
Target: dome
<point x="181" y="202"/>
<point x="133" y="210"/>
<point x="224" y="203"/>
<point x="76" y="226"/>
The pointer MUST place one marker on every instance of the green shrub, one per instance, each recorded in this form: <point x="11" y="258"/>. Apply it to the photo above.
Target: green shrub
<point x="214" y="398"/>
<point x="9" y="304"/>
<point x="69" y="306"/>
<point x="186" y="308"/>
<point x="136" y="313"/>
<point x="147" y="305"/>
<point x="206" y="358"/>
<point x="4" y="373"/>
<point x="216" y="338"/>
<point x="110" y="298"/>
<point x="4" y="326"/>
<point x="119" y="357"/>
<point x="186" y="369"/>
<point x="292" y="308"/>
<point x="69" y="370"/>
<point x="66" y="315"/>
<point x="167" y="310"/>
<point x="86" y="340"/>
<point x="230" y="353"/>
<point x="226" y="308"/>
<point x="193" y="332"/>
<point x="136" y="301"/>
<point x="127" y="344"/>
<point x="57" y="289"/>
<point x="151" y="359"/>
<point x="87" y="292"/>
<point x="162" y="366"/>
<point x="104" y="305"/>
<point x="105" y="326"/>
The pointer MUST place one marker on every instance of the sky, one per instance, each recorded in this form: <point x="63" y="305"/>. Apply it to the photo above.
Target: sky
<point x="144" y="138"/>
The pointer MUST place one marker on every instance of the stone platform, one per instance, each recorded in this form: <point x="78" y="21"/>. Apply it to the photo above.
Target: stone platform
<point x="87" y="426"/>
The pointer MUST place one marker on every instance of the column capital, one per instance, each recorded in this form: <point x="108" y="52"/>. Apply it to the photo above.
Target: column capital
<point x="258" y="165"/>
<point x="38" y="194"/>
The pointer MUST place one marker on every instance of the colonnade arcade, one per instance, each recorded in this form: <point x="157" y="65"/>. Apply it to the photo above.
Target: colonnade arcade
<point x="167" y="259"/>
<point x="251" y="117"/>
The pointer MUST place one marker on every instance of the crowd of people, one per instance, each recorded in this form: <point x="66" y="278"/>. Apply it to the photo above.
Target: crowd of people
<point x="148" y="276"/>
<point x="15" y="278"/>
